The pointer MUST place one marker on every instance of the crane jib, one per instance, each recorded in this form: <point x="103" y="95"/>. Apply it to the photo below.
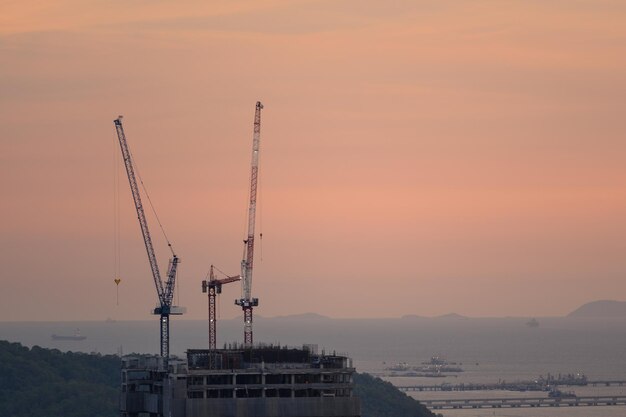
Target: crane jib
<point x="247" y="302"/>
<point x="165" y="292"/>
<point x="143" y="224"/>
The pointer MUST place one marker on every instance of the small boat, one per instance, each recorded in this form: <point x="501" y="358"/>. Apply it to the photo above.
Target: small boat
<point x="532" y="323"/>
<point x="75" y="336"/>
<point x="555" y="393"/>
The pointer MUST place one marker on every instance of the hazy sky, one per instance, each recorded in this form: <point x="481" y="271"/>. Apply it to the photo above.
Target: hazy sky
<point x="417" y="157"/>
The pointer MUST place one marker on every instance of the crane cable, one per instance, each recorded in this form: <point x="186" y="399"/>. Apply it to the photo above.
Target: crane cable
<point x="116" y="222"/>
<point x="218" y="270"/>
<point x="167" y="240"/>
<point x="260" y="181"/>
<point x="169" y="244"/>
<point x="245" y="224"/>
<point x="245" y="233"/>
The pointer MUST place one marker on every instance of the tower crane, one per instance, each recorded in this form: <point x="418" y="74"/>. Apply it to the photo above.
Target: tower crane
<point x="246" y="301"/>
<point x="165" y="291"/>
<point x="212" y="287"/>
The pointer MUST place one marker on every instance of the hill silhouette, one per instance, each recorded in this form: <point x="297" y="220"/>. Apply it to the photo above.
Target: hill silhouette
<point x="601" y="309"/>
<point x="303" y="316"/>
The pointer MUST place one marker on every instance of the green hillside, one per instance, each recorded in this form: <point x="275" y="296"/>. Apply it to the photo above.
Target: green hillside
<point x="41" y="382"/>
<point x="381" y="399"/>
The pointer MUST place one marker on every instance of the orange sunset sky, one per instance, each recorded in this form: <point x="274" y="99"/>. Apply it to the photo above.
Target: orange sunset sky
<point x="417" y="157"/>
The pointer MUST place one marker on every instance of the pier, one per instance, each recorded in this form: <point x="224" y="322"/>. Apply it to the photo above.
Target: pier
<point x="525" y="402"/>
<point x="505" y="386"/>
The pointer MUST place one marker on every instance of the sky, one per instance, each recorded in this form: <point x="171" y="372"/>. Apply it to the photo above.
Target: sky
<point x="417" y="157"/>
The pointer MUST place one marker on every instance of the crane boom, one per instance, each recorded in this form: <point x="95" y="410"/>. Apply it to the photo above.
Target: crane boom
<point x="246" y="301"/>
<point x="165" y="293"/>
<point x="143" y="223"/>
<point x="254" y="175"/>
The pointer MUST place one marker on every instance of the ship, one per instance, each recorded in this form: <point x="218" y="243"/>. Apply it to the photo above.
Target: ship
<point x="268" y="381"/>
<point x="436" y="367"/>
<point x="75" y="336"/>
<point x="532" y="323"/>
<point x="399" y="367"/>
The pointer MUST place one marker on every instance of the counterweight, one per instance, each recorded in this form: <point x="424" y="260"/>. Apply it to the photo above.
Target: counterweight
<point x="165" y="292"/>
<point x="246" y="301"/>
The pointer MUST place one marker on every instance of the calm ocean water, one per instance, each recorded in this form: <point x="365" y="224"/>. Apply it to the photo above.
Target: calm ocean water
<point x="489" y="349"/>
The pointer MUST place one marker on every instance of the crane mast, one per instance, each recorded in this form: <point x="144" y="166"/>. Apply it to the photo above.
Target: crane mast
<point x="246" y="301"/>
<point x="165" y="292"/>
<point x="212" y="287"/>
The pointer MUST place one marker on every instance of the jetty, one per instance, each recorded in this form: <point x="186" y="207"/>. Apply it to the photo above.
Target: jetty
<point x="508" y="386"/>
<point x="587" y="401"/>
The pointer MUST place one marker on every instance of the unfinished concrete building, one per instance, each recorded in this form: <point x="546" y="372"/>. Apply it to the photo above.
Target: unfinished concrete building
<point x="258" y="382"/>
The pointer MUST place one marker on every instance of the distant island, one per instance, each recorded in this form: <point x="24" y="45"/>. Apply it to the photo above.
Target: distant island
<point x="450" y="316"/>
<point x="594" y="309"/>
<point x="601" y="309"/>
<point x="303" y="316"/>
<point x="412" y="317"/>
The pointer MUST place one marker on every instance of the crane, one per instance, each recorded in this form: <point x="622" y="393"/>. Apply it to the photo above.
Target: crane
<point x="165" y="291"/>
<point x="246" y="301"/>
<point x="212" y="287"/>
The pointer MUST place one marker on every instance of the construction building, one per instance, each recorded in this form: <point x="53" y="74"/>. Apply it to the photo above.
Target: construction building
<point x="244" y="381"/>
<point x="264" y="381"/>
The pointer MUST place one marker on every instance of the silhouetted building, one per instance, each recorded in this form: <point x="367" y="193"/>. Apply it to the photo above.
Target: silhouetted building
<point x="259" y="382"/>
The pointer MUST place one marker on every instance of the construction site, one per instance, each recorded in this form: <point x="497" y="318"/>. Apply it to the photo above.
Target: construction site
<point x="258" y="381"/>
<point x="245" y="379"/>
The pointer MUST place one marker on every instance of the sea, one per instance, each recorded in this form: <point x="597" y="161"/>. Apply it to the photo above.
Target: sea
<point x="488" y="349"/>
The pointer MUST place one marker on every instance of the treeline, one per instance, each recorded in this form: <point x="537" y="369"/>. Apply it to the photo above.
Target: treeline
<point x="42" y="382"/>
<point x="381" y="399"/>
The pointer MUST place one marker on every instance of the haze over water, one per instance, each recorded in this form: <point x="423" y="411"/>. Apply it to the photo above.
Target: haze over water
<point x="489" y="349"/>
